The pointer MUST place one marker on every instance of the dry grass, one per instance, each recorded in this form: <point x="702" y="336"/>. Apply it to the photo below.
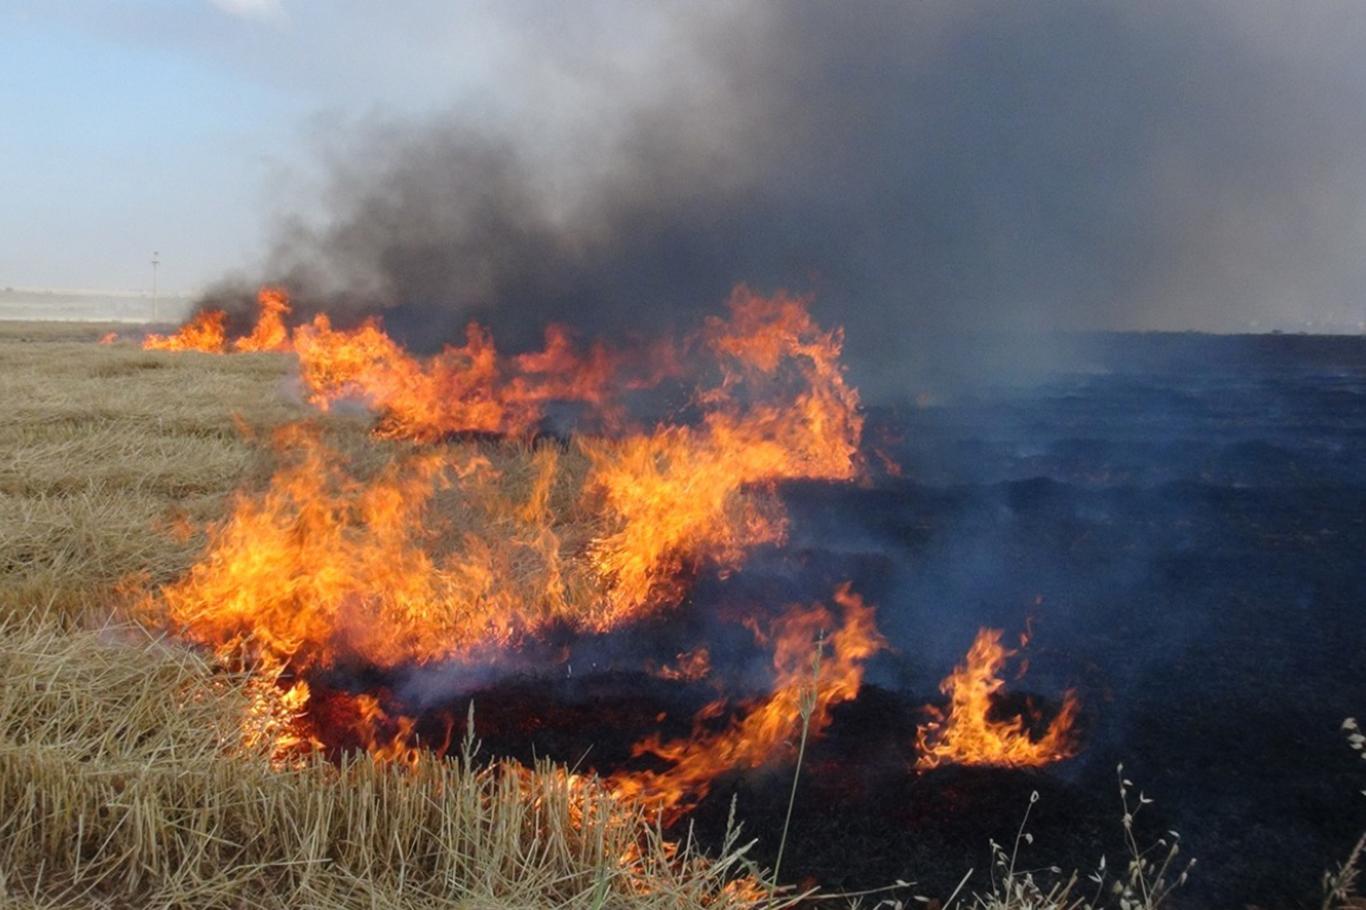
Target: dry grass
<point x="124" y="782"/>
<point x="124" y="778"/>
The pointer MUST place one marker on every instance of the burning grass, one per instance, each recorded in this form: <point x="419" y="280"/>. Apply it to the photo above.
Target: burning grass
<point x="126" y="778"/>
<point x="126" y="782"/>
<point x="136" y="770"/>
<point x="211" y="494"/>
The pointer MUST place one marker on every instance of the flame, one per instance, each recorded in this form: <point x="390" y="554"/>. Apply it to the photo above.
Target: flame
<point x="326" y="564"/>
<point x="326" y="561"/>
<point x="806" y="680"/>
<point x="440" y="555"/>
<point x="675" y="497"/>
<point x="275" y="721"/>
<point x="460" y="389"/>
<point x="471" y="387"/>
<point x="968" y="734"/>
<point x="269" y="333"/>
<point x="206" y="332"/>
<point x="109" y="338"/>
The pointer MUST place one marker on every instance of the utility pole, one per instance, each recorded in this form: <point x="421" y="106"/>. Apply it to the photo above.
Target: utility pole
<point x="156" y="261"/>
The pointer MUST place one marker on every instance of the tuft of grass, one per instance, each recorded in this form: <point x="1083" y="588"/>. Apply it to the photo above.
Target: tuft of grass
<point x="806" y="706"/>
<point x="1152" y="872"/>
<point x="1340" y="884"/>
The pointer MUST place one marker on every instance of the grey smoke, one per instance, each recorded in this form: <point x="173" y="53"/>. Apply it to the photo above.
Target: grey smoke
<point x="920" y="167"/>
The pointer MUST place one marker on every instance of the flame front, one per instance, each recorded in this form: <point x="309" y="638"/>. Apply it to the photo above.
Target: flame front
<point x="441" y="555"/>
<point x="460" y="548"/>
<point x="968" y="734"/>
<point x="674" y="495"/>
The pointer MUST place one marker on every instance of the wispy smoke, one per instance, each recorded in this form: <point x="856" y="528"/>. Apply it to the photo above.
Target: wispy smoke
<point x="921" y="167"/>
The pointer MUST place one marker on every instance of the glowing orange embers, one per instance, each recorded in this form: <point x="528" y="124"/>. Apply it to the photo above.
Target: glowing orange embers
<point x="971" y="733"/>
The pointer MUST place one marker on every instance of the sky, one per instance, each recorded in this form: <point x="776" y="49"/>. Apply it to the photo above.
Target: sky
<point x="1053" y="163"/>
<point x="175" y="125"/>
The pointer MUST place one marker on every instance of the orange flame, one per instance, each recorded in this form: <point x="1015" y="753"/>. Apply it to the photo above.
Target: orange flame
<point x="109" y="338"/>
<point x="466" y="388"/>
<point x="674" y="497"/>
<point x="969" y="735"/>
<point x="325" y="564"/>
<point x="206" y="332"/>
<point x="269" y="333"/>
<point x="324" y="557"/>
<point x="439" y="556"/>
<point x="804" y="682"/>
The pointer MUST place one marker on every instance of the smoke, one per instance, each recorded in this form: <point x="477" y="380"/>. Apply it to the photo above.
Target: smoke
<point x="922" y="168"/>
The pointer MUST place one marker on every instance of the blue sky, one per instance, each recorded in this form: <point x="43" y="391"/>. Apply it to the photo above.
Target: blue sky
<point x="176" y="126"/>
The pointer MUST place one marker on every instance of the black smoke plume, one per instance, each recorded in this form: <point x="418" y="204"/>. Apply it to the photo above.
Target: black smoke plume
<point x="920" y="167"/>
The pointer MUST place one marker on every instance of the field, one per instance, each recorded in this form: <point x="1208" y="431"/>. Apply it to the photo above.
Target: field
<point x="1160" y="538"/>
<point x="122" y="775"/>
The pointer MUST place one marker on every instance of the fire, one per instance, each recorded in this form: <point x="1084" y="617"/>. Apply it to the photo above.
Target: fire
<point x="968" y="734"/>
<point x="461" y="389"/>
<point x="109" y="338"/>
<point x="326" y="564"/>
<point x="269" y="333"/>
<point x="675" y="496"/>
<point x="442" y="555"/>
<point x="460" y="549"/>
<point x="324" y="560"/>
<point x="471" y="387"/>
<point x="806" y="680"/>
<point x="206" y="332"/>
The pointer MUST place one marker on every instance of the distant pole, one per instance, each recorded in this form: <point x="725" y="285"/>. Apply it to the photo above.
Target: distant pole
<point x="156" y="261"/>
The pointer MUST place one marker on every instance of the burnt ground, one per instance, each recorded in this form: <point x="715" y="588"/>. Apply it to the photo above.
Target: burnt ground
<point x="1183" y="519"/>
<point x="1180" y="520"/>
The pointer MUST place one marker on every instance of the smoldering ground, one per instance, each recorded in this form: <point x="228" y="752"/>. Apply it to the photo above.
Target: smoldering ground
<point x="922" y="168"/>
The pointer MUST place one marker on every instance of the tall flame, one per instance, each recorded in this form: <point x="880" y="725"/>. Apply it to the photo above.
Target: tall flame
<point x="969" y="734"/>
<point x="269" y="333"/>
<point x="326" y="565"/>
<point x="674" y="496"/>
